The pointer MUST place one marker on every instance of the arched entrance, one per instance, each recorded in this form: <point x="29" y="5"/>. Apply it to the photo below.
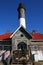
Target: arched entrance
<point x="22" y="46"/>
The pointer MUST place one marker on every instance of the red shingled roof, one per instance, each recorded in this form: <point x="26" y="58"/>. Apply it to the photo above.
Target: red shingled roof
<point x="5" y="36"/>
<point x="37" y="36"/>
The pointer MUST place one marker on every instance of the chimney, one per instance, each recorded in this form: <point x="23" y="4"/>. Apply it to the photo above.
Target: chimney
<point x="34" y="31"/>
<point x="21" y="15"/>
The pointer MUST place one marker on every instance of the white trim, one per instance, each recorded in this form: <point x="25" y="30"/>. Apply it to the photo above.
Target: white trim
<point x="15" y="32"/>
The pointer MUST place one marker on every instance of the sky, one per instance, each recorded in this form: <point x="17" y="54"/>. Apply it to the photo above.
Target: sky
<point x="9" y="15"/>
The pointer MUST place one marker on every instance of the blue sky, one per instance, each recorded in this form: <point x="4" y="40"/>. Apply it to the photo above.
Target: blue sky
<point x="9" y="15"/>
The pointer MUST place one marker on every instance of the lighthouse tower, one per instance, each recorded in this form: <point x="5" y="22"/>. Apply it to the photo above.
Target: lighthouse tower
<point x="21" y="15"/>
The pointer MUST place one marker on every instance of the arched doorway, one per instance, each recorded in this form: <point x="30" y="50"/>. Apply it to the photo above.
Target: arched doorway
<point x="22" y="46"/>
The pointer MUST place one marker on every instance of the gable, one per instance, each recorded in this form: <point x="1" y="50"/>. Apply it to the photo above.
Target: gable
<point x="21" y="29"/>
<point x="19" y="35"/>
<point x="27" y="34"/>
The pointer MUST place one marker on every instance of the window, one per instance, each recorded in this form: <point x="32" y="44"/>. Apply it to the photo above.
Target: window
<point x="1" y="47"/>
<point x="35" y="47"/>
<point x="21" y="35"/>
<point x="7" y="47"/>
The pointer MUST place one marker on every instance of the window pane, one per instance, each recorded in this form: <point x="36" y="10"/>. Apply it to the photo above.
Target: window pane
<point x="7" y="47"/>
<point x="1" y="48"/>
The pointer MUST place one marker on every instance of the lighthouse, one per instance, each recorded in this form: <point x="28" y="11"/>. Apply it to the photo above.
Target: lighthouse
<point x="21" y="15"/>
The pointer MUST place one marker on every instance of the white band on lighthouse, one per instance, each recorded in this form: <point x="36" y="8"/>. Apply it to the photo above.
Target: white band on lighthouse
<point x="22" y="22"/>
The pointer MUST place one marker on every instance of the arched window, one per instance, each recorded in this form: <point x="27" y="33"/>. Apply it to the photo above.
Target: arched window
<point x="22" y="46"/>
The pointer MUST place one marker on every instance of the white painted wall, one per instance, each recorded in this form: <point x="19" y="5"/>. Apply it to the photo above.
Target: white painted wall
<point x="38" y="55"/>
